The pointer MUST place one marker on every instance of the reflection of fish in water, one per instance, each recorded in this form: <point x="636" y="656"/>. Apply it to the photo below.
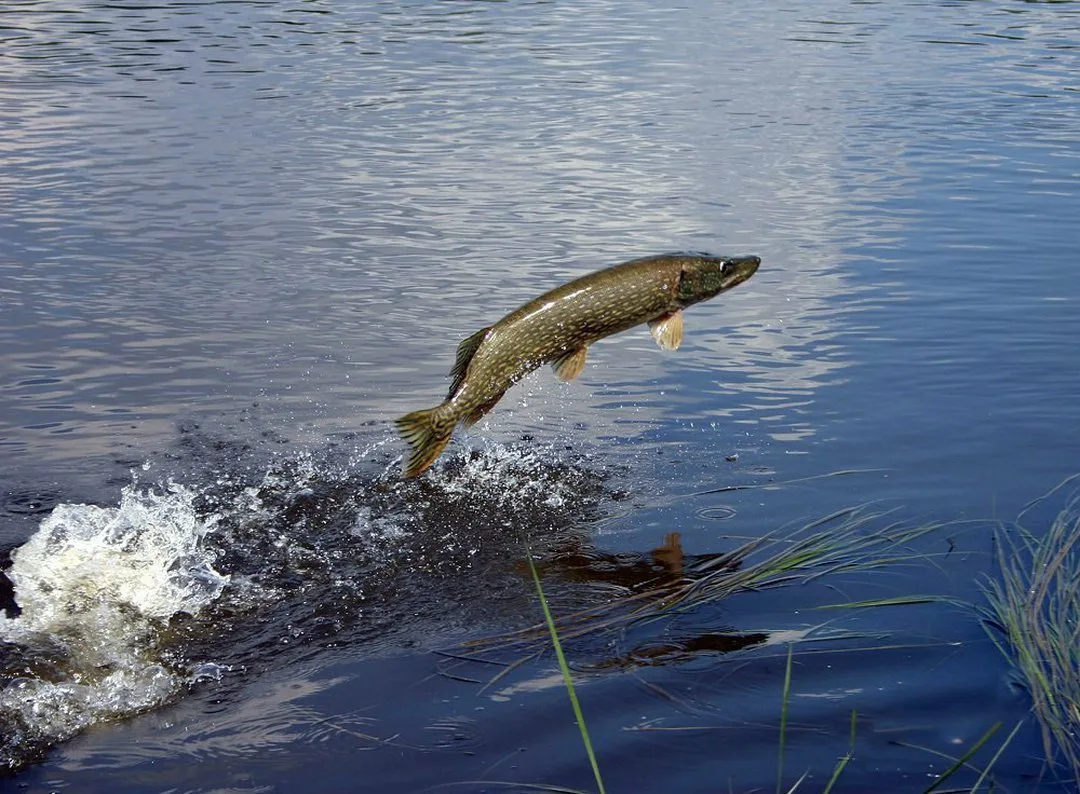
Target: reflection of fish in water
<point x="559" y="326"/>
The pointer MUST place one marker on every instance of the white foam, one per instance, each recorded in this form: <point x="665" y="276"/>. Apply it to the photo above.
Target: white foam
<point x="61" y="709"/>
<point x="95" y="586"/>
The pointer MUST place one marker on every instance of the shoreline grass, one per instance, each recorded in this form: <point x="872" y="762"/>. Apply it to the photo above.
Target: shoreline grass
<point x="1033" y="618"/>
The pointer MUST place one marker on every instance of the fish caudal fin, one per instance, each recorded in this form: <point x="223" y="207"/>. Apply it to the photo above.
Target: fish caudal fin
<point x="426" y="436"/>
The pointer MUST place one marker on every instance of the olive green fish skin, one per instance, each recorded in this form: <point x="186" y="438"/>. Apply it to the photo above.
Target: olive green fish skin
<point x="577" y="314"/>
<point x="565" y="320"/>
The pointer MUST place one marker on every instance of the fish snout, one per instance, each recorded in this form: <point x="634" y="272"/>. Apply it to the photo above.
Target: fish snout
<point x="737" y="269"/>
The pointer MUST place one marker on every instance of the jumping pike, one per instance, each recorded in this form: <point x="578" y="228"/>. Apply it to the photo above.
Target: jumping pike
<point x="559" y="326"/>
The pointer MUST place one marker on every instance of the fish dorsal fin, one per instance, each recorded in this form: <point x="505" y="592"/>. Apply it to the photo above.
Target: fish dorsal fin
<point x="667" y="330"/>
<point x="569" y="366"/>
<point x="465" y="352"/>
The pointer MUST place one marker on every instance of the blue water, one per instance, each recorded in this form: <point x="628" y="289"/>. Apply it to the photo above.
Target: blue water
<point x="238" y="238"/>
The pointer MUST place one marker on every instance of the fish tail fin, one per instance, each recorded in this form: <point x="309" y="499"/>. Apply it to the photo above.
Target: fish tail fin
<point x="428" y="434"/>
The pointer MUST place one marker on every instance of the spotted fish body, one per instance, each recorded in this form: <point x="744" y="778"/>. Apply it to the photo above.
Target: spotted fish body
<point x="559" y="326"/>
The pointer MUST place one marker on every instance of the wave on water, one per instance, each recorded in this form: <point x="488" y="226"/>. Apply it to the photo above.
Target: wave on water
<point x="120" y="610"/>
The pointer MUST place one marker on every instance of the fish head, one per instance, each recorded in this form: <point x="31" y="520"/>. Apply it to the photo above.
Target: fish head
<point x="703" y="276"/>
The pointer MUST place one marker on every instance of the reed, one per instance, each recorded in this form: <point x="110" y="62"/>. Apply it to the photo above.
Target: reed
<point x="568" y="678"/>
<point x="1046" y="571"/>
<point x="847" y="541"/>
<point x="1033" y="617"/>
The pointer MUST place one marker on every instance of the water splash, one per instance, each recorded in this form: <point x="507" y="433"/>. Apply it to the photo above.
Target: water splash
<point x="511" y="475"/>
<point x="89" y="565"/>
<point x="123" y="609"/>
<point x="95" y="587"/>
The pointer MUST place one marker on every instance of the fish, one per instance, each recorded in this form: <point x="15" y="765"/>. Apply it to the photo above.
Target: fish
<point x="559" y="326"/>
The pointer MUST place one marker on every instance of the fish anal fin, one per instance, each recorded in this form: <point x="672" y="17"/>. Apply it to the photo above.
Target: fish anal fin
<point x="667" y="330"/>
<point x="427" y="437"/>
<point x="480" y="412"/>
<point x="465" y="352"/>
<point x="569" y="366"/>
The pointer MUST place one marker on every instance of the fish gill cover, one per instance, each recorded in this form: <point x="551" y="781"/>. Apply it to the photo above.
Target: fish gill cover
<point x="120" y="610"/>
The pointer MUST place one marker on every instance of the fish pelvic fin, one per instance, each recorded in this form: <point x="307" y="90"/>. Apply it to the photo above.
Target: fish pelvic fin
<point x="570" y="365"/>
<point x="465" y="352"/>
<point x="428" y="434"/>
<point x="667" y="330"/>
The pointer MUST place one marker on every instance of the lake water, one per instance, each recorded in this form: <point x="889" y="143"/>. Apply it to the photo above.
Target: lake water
<point x="238" y="238"/>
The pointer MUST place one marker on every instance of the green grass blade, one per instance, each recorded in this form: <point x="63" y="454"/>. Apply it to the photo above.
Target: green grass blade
<point x="567" y="678"/>
<point x="846" y="758"/>
<point x="997" y="755"/>
<point x="962" y="760"/>
<point x="898" y="601"/>
<point x="783" y="720"/>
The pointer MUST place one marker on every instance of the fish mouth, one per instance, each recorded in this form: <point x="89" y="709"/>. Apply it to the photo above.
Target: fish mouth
<point x="737" y="269"/>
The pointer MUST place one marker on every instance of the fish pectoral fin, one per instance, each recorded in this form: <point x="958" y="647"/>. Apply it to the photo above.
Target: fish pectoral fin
<point x="479" y="413"/>
<point x="667" y="330"/>
<point x="570" y="365"/>
<point x="465" y="352"/>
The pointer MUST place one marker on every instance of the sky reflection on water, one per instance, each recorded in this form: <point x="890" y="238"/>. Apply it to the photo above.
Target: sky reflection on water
<point x="272" y="222"/>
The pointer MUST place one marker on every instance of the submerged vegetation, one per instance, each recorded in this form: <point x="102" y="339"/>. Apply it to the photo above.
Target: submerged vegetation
<point x="956" y="764"/>
<point x="848" y="541"/>
<point x="1033" y="617"/>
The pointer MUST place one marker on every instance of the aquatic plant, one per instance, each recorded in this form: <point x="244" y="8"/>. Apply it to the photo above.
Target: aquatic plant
<point x="568" y="677"/>
<point x="1033" y="617"/>
<point x="964" y="761"/>
<point x="846" y="541"/>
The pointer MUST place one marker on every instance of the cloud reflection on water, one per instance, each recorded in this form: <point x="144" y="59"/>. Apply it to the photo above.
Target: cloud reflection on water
<point x="311" y="206"/>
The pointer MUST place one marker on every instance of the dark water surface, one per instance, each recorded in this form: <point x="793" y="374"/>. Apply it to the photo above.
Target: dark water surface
<point x="238" y="238"/>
